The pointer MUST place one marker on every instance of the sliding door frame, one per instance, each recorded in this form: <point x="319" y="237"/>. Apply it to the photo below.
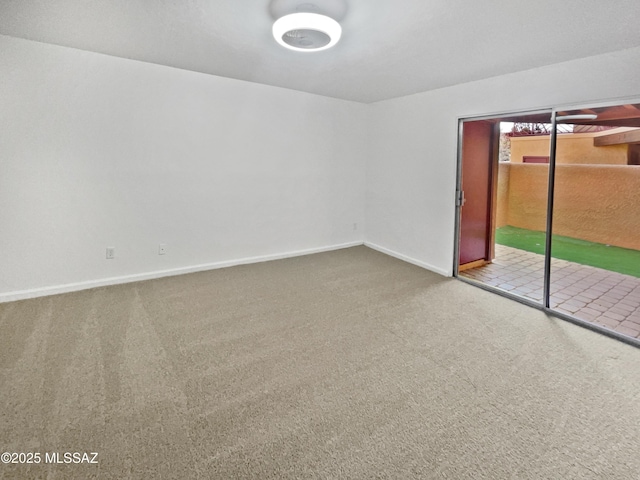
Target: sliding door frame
<point x="551" y="185"/>
<point x="458" y="212"/>
<point x="545" y="304"/>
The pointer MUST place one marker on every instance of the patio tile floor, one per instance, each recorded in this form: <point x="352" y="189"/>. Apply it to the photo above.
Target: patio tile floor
<point x="606" y="298"/>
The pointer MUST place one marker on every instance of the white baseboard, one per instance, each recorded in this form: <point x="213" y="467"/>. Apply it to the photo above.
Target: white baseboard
<point x="73" y="287"/>
<point x="407" y="259"/>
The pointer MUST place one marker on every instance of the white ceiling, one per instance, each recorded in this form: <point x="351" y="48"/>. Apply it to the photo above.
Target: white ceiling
<point x="389" y="48"/>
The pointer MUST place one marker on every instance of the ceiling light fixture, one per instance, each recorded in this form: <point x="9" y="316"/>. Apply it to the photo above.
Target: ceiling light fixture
<point x="307" y="32"/>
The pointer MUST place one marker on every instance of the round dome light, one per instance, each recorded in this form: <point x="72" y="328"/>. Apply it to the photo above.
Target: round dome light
<point x="306" y="32"/>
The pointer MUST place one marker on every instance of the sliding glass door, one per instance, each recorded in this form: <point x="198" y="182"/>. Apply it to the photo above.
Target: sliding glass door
<point x="595" y="247"/>
<point x="503" y="229"/>
<point x="548" y="212"/>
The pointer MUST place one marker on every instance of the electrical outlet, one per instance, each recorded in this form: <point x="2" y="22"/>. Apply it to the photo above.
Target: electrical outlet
<point x="111" y="253"/>
<point x="162" y="249"/>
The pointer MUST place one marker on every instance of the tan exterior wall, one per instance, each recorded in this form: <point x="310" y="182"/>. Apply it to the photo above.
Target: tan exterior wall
<point x="528" y="196"/>
<point x="598" y="203"/>
<point x="537" y="146"/>
<point x="502" y="197"/>
<point x="571" y="149"/>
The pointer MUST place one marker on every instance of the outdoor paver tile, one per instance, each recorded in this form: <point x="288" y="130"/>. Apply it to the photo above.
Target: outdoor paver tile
<point x="634" y="317"/>
<point x="582" y="298"/>
<point x="572" y="291"/>
<point x="566" y="312"/>
<point x="631" y="303"/>
<point x="604" y="302"/>
<point x="631" y="325"/>
<point x="613" y="294"/>
<point x="590" y="294"/>
<point x="608" y="322"/>
<point x="599" y="296"/>
<point x="614" y="316"/>
<point x="585" y="314"/>
<point x="570" y="307"/>
<point x="598" y="308"/>
<point x="622" y="309"/>
<point x="575" y="302"/>
<point x="590" y="311"/>
<point x="623" y="289"/>
<point x="627" y="331"/>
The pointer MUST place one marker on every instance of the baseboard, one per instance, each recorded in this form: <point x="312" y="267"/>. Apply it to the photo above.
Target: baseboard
<point x="407" y="259"/>
<point x="74" y="287"/>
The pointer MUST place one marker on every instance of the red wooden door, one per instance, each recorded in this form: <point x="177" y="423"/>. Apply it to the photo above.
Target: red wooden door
<point x="475" y="217"/>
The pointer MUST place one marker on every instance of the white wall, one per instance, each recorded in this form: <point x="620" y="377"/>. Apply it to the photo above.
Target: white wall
<point x="99" y="151"/>
<point x="411" y="172"/>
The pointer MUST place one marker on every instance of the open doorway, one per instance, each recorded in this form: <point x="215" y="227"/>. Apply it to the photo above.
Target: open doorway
<point x="484" y="199"/>
<point x="547" y="212"/>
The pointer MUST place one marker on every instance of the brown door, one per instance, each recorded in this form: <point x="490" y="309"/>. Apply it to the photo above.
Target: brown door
<point x="475" y="216"/>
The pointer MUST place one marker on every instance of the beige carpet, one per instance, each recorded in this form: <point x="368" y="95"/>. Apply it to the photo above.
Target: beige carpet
<point x="348" y="364"/>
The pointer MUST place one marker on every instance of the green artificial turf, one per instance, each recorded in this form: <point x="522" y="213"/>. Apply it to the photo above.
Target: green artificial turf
<point x="615" y="259"/>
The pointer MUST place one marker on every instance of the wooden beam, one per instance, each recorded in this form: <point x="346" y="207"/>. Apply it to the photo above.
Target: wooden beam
<point x="632" y="136"/>
<point x="619" y="112"/>
<point x="617" y="116"/>
<point x="631" y="107"/>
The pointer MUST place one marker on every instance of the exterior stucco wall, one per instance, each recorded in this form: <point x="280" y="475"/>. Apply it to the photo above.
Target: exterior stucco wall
<point x="537" y="146"/>
<point x="598" y="203"/>
<point x="528" y="196"/>
<point x="502" y="198"/>
<point x="571" y="149"/>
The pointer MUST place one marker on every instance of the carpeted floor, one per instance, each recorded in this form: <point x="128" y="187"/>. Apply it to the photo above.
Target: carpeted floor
<point x="348" y="364"/>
